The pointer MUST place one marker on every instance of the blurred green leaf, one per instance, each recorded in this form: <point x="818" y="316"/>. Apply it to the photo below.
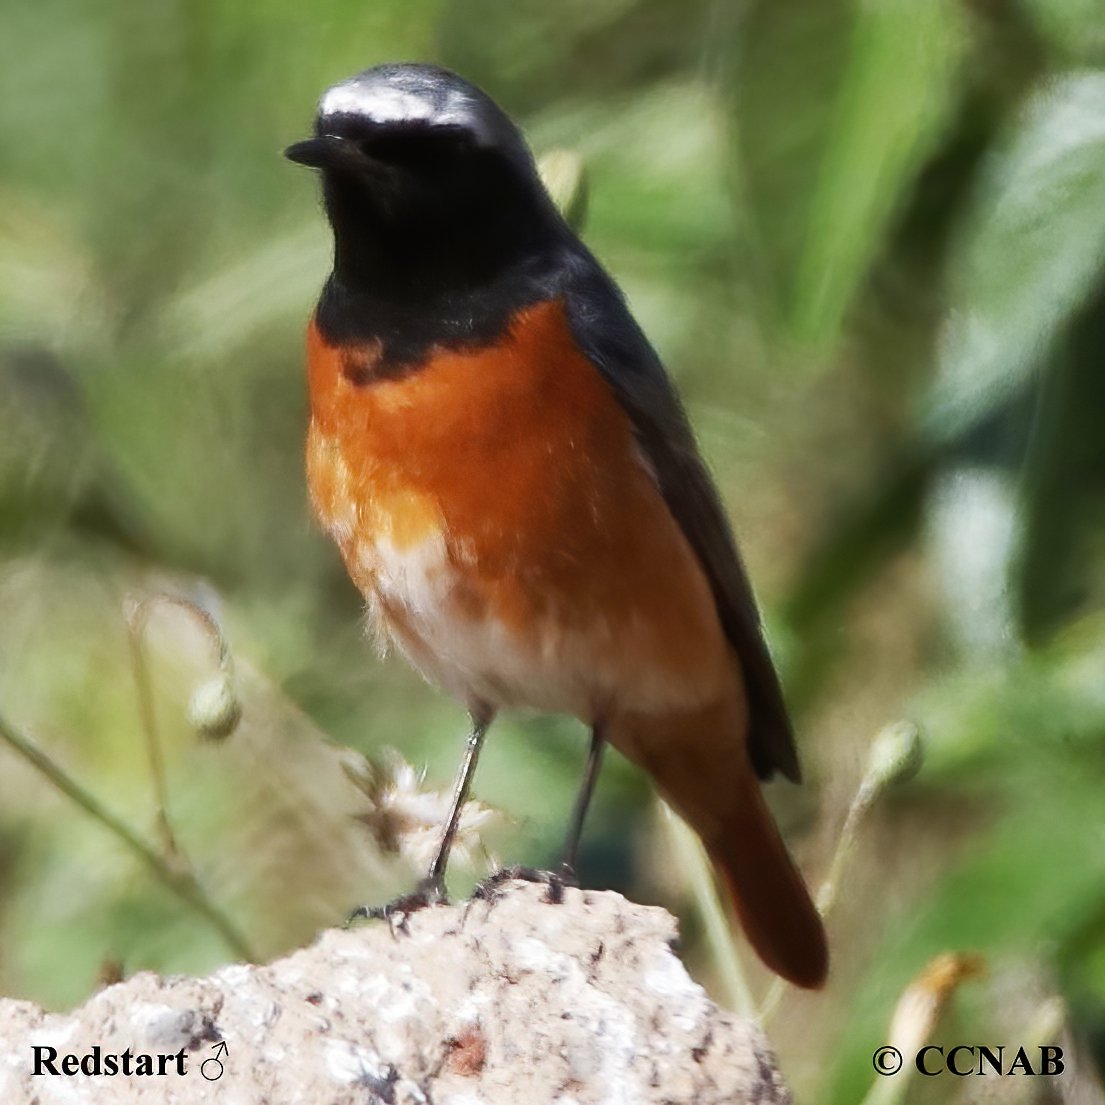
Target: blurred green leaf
<point x="896" y="93"/>
<point x="782" y="65"/>
<point x="1031" y="249"/>
<point x="1074" y="27"/>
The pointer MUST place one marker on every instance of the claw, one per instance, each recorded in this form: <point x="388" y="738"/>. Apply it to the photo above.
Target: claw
<point x="429" y="892"/>
<point x="490" y="889"/>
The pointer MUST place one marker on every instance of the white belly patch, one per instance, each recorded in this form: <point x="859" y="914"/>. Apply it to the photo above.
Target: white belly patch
<point x="475" y="657"/>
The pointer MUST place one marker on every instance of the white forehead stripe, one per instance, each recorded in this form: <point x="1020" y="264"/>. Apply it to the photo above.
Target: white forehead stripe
<point x="387" y="104"/>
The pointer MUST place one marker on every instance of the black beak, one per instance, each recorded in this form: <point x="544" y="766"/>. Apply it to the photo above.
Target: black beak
<point x="327" y="151"/>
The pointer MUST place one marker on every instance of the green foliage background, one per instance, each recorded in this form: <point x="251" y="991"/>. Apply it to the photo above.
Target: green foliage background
<point x="868" y="237"/>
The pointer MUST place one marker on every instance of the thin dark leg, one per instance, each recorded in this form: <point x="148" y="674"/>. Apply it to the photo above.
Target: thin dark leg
<point x="583" y="801"/>
<point x="431" y="889"/>
<point x="436" y="876"/>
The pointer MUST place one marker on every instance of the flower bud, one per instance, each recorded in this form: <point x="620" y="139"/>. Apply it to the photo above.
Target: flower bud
<point x="896" y="755"/>
<point x="214" y="709"/>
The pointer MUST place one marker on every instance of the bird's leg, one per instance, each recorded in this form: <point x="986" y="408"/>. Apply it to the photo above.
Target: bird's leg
<point x="436" y="877"/>
<point x="431" y="890"/>
<point x="565" y="875"/>
<point x="582" y="804"/>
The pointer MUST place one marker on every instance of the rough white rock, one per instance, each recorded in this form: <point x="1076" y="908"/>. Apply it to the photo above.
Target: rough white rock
<point x="583" y="1003"/>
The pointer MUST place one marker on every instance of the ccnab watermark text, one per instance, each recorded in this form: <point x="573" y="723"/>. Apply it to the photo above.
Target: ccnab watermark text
<point x="965" y="1060"/>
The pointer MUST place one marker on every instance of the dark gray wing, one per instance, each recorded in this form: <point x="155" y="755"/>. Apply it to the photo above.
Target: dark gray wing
<point x="606" y="331"/>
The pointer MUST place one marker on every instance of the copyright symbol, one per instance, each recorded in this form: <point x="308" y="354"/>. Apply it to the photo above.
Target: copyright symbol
<point x="887" y="1060"/>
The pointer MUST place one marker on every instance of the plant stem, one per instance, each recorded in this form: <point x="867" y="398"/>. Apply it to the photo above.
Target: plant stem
<point x="136" y="626"/>
<point x="182" y="884"/>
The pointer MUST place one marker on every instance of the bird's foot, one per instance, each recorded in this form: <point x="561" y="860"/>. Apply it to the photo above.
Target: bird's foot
<point x="429" y="892"/>
<point x="490" y="890"/>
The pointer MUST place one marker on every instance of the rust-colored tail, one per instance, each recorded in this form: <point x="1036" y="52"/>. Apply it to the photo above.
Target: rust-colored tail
<point x="699" y="764"/>
<point x="772" y="902"/>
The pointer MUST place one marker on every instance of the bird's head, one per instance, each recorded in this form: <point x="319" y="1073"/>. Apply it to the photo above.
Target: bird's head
<point x="423" y="174"/>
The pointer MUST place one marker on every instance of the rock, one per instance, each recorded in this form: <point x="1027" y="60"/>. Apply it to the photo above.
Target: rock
<point x="517" y="1002"/>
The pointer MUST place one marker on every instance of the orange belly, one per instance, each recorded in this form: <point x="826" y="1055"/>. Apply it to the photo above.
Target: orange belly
<point x="493" y="508"/>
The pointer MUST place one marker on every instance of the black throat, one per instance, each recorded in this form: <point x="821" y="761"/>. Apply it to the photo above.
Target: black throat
<point x="413" y="272"/>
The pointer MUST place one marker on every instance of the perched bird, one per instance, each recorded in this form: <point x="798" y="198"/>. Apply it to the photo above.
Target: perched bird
<point x="514" y="486"/>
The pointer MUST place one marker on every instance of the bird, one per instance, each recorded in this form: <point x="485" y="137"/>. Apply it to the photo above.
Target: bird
<point x="515" y="488"/>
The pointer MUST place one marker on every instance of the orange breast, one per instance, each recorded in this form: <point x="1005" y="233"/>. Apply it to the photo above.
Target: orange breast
<point x="493" y="507"/>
